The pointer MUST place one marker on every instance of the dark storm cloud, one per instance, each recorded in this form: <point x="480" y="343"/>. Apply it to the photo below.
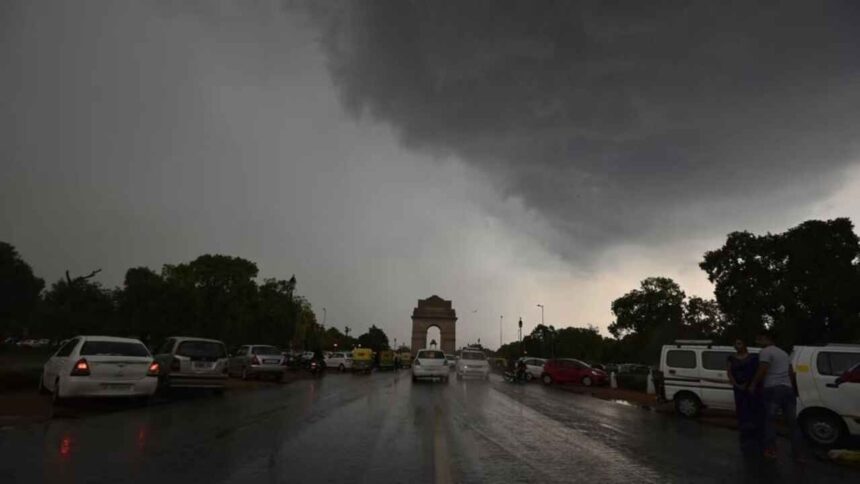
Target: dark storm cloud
<point x="610" y="118"/>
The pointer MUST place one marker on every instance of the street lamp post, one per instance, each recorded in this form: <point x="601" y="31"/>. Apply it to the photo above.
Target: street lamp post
<point x="500" y="330"/>
<point x="541" y="312"/>
<point x="324" y="317"/>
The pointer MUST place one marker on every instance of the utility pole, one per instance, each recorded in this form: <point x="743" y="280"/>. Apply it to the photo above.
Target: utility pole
<point x="324" y="316"/>
<point x="520" y="336"/>
<point x="500" y="330"/>
<point x="541" y="313"/>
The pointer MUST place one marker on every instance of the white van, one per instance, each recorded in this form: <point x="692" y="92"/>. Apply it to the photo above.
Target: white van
<point x="828" y="383"/>
<point x="694" y="376"/>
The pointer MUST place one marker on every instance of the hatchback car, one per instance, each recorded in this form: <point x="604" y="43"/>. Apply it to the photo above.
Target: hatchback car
<point x="100" y="366"/>
<point x="572" y="371"/>
<point x="473" y="364"/>
<point x="340" y="360"/>
<point x="430" y="364"/>
<point x="534" y="367"/>
<point x="256" y="361"/>
<point x="187" y="362"/>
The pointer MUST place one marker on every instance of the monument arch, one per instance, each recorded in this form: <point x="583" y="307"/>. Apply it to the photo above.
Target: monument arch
<point x="430" y="312"/>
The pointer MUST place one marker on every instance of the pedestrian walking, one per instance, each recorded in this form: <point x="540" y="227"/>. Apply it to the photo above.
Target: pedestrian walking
<point x="777" y="378"/>
<point x="749" y="408"/>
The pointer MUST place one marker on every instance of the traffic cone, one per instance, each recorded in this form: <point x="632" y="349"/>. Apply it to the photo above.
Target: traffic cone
<point x="613" y="382"/>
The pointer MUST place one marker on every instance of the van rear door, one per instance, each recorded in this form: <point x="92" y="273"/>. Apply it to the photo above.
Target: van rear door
<point x="681" y="371"/>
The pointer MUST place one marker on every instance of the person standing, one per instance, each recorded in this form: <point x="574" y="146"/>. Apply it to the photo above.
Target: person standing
<point x="742" y="368"/>
<point x="776" y="375"/>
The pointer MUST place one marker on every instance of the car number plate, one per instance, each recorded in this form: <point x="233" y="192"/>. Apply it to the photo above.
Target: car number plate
<point x="270" y="362"/>
<point x="202" y="365"/>
<point x="116" y="386"/>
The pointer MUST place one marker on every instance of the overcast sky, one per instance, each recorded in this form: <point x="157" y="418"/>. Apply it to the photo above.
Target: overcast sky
<point x="499" y="154"/>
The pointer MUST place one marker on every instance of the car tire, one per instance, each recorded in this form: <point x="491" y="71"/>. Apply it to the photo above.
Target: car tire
<point x="546" y="379"/>
<point x="688" y="405"/>
<point x="56" y="399"/>
<point x="823" y="428"/>
<point x="587" y="381"/>
<point x="529" y="376"/>
<point x="341" y="368"/>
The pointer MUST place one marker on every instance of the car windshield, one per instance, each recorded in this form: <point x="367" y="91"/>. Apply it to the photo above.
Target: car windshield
<point x="431" y="355"/>
<point x="113" y="348"/>
<point x="201" y="349"/>
<point x="473" y="355"/>
<point x="266" y="350"/>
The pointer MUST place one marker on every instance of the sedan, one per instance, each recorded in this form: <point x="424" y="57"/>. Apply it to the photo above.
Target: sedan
<point x="257" y="360"/>
<point x="534" y="367"/>
<point x="100" y="366"/>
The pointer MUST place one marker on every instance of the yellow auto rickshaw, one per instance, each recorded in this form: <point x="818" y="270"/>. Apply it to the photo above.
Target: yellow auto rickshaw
<point x="405" y="359"/>
<point x="362" y="360"/>
<point x="386" y="360"/>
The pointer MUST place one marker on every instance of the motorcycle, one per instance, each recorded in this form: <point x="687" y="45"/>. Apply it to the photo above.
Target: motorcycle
<point x="515" y="376"/>
<point x="316" y="368"/>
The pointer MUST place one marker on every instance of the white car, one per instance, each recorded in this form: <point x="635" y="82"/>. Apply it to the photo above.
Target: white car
<point x="340" y="360"/>
<point x="828" y="387"/>
<point x="472" y="364"/>
<point x="429" y="364"/>
<point x="534" y="367"/>
<point x="100" y="366"/>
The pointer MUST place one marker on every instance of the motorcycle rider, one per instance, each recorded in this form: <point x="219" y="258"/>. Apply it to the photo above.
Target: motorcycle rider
<point x="521" y="369"/>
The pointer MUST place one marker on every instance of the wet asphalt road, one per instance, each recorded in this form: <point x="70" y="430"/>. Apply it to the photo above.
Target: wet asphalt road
<point x="384" y="428"/>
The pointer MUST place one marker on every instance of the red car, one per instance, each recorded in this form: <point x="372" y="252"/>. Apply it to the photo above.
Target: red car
<point x="565" y="370"/>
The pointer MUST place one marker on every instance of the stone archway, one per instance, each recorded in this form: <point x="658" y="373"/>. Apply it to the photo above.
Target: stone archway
<point x="434" y="311"/>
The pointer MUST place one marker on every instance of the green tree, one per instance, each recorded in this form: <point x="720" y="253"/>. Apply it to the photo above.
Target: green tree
<point x="703" y="319"/>
<point x="78" y="306"/>
<point x="20" y="291"/>
<point x="802" y="283"/>
<point x="650" y="316"/>
<point x="374" y="339"/>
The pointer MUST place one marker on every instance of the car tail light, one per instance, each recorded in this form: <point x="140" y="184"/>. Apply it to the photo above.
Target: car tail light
<point x="175" y="364"/>
<point x="255" y="360"/>
<point x="81" y="368"/>
<point x="154" y="369"/>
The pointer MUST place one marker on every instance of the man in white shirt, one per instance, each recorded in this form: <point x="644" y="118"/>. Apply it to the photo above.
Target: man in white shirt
<point x="776" y="376"/>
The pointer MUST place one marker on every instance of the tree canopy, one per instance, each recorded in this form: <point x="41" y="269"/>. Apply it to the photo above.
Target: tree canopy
<point x="803" y="283"/>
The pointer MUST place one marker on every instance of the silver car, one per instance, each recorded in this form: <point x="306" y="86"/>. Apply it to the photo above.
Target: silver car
<point x="189" y="362"/>
<point x="257" y="360"/>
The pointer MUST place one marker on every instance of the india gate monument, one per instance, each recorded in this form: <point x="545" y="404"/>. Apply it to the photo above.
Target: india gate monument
<point x="434" y="311"/>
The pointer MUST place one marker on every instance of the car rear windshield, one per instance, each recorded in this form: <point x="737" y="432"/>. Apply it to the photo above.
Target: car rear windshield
<point x="472" y="355"/>
<point x="201" y="349"/>
<point x="431" y="355"/>
<point x="113" y="348"/>
<point x="266" y="350"/>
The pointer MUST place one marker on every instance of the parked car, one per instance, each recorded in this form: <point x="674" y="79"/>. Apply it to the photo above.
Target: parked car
<point x="568" y="370"/>
<point x="251" y="361"/>
<point x="534" y="367"/>
<point x="100" y="366"/>
<point x="340" y="360"/>
<point x="189" y="362"/>
<point x="828" y="387"/>
<point x="451" y="361"/>
<point x="429" y="364"/>
<point x="693" y="375"/>
<point x="473" y="364"/>
<point x="405" y="359"/>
